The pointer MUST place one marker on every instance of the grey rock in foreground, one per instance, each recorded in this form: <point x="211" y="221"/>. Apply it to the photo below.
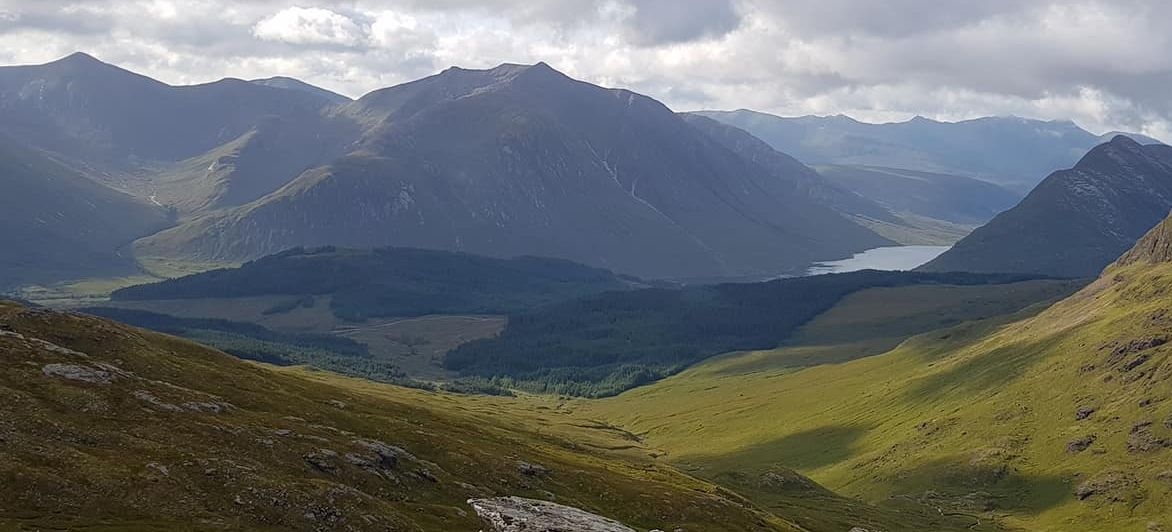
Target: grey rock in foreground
<point x="515" y="514"/>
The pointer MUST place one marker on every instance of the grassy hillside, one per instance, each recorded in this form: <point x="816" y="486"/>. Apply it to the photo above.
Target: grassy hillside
<point x="601" y="345"/>
<point x="1056" y="421"/>
<point x="104" y="427"/>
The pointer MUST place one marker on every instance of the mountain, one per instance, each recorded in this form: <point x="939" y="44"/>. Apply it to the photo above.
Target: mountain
<point x="1026" y="150"/>
<point x="522" y="160"/>
<point x="1056" y="418"/>
<point x="952" y="198"/>
<point x="107" y="426"/>
<point x="58" y="224"/>
<point x="1076" y="221"/>
<point x="226" y="143"/>
<point x="95" y="112"/>
<point x="282" y="82"/>
<point x="274" y="151"/>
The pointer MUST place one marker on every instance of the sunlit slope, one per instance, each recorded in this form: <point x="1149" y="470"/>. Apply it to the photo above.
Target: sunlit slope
<point x="104" y="427"/>
<point x="1057" y="421"/>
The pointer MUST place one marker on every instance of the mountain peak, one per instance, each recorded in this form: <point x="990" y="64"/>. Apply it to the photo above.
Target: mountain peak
<point x="78" y="57"/>
<point x="1121" y="140"/>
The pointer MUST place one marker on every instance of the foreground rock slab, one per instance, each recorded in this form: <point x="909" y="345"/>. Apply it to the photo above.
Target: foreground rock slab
<point x="515" y="514"/>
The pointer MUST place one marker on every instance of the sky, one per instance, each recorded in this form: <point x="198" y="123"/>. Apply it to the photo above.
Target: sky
<point x="1106" y="64"/>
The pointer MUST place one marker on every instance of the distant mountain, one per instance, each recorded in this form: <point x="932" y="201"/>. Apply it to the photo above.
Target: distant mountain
<point x="282" y="82"/>
<point x="1009" y="151"/>
<point x="58" y="224"/>
<point x="268" y="156"/>
<point x="194" y="148"/>
<point x="522" y="160"/>
<point x="952" y="198"/>
<point x="803" y="180"/>
<point x="1076" y="221"/>
<point x="83" y="108"/>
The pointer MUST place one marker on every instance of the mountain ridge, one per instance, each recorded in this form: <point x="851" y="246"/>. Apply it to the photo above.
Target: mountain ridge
<point x="1076" y="221"/>
<point x="511" y="160"/>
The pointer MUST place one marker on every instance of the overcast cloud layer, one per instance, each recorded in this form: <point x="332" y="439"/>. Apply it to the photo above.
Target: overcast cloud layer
<point x="1106" y="64"/>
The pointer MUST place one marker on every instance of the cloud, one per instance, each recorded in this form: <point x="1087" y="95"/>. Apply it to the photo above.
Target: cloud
<point x="1103" y="63"/>
<point x="657" y="22"/>
<point x="310" y="26"/>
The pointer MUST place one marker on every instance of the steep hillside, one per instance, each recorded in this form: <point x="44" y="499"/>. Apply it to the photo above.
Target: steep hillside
<point x="58" y="225"/>
<point x="1056" y="421"/>
<point x="262" y="160"/>
<point x="1076" y="221"/>
<point x="522" y="160"/>
<point x="955" y="199"/>
<point x="107" y="427"/>
<point x="1026" y="150"/>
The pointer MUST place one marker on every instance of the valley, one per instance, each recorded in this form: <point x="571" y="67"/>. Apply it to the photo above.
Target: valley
<point x="520" y="298"/>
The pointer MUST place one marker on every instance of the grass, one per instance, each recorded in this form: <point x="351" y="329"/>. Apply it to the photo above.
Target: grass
<point x="972" y="419"/>
<point x="284" y="450"/>
<point x="80" y="292"/>
<point x="171" y="268"/>
<point x="916" y="230"/>
<point x="416" y="345"/>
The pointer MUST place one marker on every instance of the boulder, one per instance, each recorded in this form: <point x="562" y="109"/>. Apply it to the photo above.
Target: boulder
<point x="515" y="514"/>
<point x="74" y="372"/>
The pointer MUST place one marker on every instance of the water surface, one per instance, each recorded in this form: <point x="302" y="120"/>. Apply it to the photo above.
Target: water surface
<point x="891" y="258"/>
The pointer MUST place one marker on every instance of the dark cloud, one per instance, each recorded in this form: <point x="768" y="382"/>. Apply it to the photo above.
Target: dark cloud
<point x="656" y="22"/>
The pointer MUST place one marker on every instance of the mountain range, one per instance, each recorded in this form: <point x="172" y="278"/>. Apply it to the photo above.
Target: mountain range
<point x="1076" y="221"/>
<point x="515" y="160"/>
<point x="1026" y="150"/>
<point x="524" y="160"/>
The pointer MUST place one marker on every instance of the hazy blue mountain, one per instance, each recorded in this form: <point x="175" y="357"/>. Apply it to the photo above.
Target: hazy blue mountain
<point x="282" y="82"/>
<point x="1014" y="152"/>
<point x="1076" y="221"/>
<point x="81" y="107"/>
<point x="522" y="160"/>
<point x="957" y="199"/>
<point x="58" y="224"/>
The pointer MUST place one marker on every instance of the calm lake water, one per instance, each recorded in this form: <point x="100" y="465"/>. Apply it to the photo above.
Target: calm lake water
<point x="888" y="258"/>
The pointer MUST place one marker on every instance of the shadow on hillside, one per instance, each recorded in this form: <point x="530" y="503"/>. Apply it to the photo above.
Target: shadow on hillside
<point x="992" y="369"/>
<point x="802" y="451"/>
<point x="962" y="485"/>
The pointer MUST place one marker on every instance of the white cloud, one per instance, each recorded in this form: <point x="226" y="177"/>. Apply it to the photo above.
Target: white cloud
<point x="310" y="26"/>
<point x="1103" y="63"/>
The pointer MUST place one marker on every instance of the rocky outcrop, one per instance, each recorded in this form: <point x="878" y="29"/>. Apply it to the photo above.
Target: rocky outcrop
<point x="515" y="514"/>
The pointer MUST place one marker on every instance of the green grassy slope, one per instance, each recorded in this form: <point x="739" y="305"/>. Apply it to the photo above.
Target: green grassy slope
<point x="601" y="345"/>
<point x="980" y="419"/>
<point x="168" y="435"/>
